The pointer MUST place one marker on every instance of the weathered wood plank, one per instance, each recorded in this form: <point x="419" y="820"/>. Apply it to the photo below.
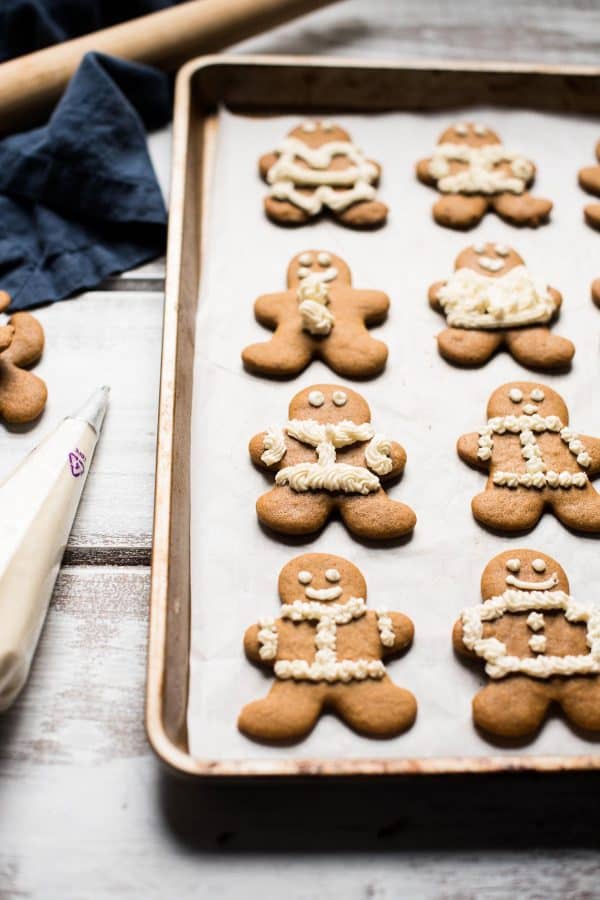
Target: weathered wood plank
<point x="99" y="338"/>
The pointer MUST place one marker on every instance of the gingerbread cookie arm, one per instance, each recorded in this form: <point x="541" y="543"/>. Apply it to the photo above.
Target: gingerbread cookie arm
<point x="432" y="295"/>
<point x="252" y="646"/>
<point x="398" y="457"/>
<point x="257" y="448"/>
<point x="457" y="641"/>
<point x="265" y="163"/>
<point x="592" y="445"/>
<point x="557" y="298"/>
<point x="423" y="173"/>
<point x="404" y="632"/>
<point x="467" y="448"/>
<point x="589" y="179"/>
<point x="595" y="291"/>
<point x="373" y="306"/>
<point x="268" y="309"/>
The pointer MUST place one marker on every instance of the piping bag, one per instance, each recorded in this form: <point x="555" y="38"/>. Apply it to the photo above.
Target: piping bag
<point x="38" y="503"/>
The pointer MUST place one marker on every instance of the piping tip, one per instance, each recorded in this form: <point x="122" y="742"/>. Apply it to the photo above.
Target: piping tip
<point x="94" y="409"/>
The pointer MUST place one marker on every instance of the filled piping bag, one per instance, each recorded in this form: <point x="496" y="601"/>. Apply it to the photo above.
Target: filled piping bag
<point x="38" y="503"/>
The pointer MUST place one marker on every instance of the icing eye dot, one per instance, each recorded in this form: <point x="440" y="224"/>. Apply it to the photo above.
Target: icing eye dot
<point x="513" y="565"/>
<point x="461" y="129"/>
<point x="303" y="271"/>
<point x="332" y="575"/>
<point x="327" y="125"/>
<point x="305" y="259"/>
<point x="479" y="247"/>
<point x="516" y="395"/>
<point x="538" y="565"/>
<point x="339" y="398"/>
<point x="316" y="398"/>
<point x="480" y="130"/>
<point x="309" y="127"/>
<point x="529" y="409"/>
<point x="304" y="577"/>
<point x="537" y="394"/>
<point x="501" y="249"/>
<point x="324" y="259"/>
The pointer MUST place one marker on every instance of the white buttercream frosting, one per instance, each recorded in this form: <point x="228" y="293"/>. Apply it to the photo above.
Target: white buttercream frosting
<point x="536" y="474"/>
<point x="336" y="189"/>
<point x="473" y="300"/>
<point x="499" y="663"/>
<point x="484" y="174"/>
<point x="313" y="299"/>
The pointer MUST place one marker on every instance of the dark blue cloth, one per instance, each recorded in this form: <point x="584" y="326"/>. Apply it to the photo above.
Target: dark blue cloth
<point x="79" y="198"/>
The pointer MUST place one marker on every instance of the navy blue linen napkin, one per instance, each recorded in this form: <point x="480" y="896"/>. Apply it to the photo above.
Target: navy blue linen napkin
<point x="79" y="198"/>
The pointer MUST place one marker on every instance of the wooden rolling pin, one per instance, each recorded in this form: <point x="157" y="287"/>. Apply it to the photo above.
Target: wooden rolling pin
<point x="30" y="85"/>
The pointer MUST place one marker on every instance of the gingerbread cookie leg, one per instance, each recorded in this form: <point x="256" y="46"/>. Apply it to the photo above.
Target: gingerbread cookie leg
<point x="288" y="712"/>
<point x="513" y="708"/>
<point x="458" y="211"/>
<point x="596" y="283"/>
<point x="580" y="701"/>
<point x="506" y="510"/>
<point x="538" y="348"/>
<point x="284" y="356"/>
<point x="375" y="708"/>
<point x="285" y="213"/>
<point x="522" y="209"/>
<point x="288" y="512"/>
<point x="376" y="517"/>
<point x="579" y="510"/>
<point x="591" y="213"/>
<point x="468" y="348"/>
<point x="368" y="214"/>
<point x="353" y="353"/>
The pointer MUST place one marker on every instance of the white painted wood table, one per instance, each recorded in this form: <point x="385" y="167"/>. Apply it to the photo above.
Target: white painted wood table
<point x="85" y="809"/>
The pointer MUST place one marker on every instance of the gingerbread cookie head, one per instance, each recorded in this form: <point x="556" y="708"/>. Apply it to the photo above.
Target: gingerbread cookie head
<point x="318" y="266"/>
<point x="522" y="570"/>
<point x="529" y="398"/>
<point x="321" y="577"/>
<point x="491" y="259"/>
<point x="473" y="134"/>
<point x="315" y="133"/>
<point x="329" y="403"/>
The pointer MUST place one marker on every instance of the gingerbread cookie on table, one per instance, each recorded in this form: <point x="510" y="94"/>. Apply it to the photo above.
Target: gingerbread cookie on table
<point x="540" y="646"/>
<point x="316" y="168"/>
<point x="326" y="651"/>
<point x="589" y="179"/>
<point x="22" y="394"/>
<point x="329" y="457"/>
<point x="319" y="316"/>
<point x="474" y="172"/>
<point x="534" y="461"/>
<point x="492" y="302"/>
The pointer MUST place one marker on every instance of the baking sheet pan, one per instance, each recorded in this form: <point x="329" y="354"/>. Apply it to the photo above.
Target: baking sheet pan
<point x="420" y="400"/>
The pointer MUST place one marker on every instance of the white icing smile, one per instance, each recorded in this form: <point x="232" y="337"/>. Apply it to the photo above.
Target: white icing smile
<point x="546" y="585"/>
<point x="331" y="593"/>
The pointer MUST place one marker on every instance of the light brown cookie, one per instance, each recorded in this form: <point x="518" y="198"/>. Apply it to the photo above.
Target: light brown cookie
<point x="22" y="394"/>
<point x="475" y="173"/>
<point x="317" y="168"/>
<point x="329" y="457"/>
<point x="589" y="179"/>
<point x="596" y="291"/>
<point x="492" y="302"/>
<point x="534" y="460"/>
<point x="540" y="646"/>
<point x="326" y="651"/>
<point x="319" y="316"/>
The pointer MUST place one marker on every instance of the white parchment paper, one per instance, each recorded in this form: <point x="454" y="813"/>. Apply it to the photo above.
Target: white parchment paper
<point x="420" y="400"/>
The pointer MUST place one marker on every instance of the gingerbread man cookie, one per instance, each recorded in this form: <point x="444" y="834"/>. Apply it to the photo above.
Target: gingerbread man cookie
<point x="589" y="179"/>
<point x="534" y="460"/>
<point x="492" y="301"/>
<point x="329" y="457"/>
<point x="316" y="168"/>
<point x="539" y="644"/>
<point x="320" y="316"/>
<point x="475" y="172"/>
<point x="326" y="651"/>
<point x="22" y="394"/>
